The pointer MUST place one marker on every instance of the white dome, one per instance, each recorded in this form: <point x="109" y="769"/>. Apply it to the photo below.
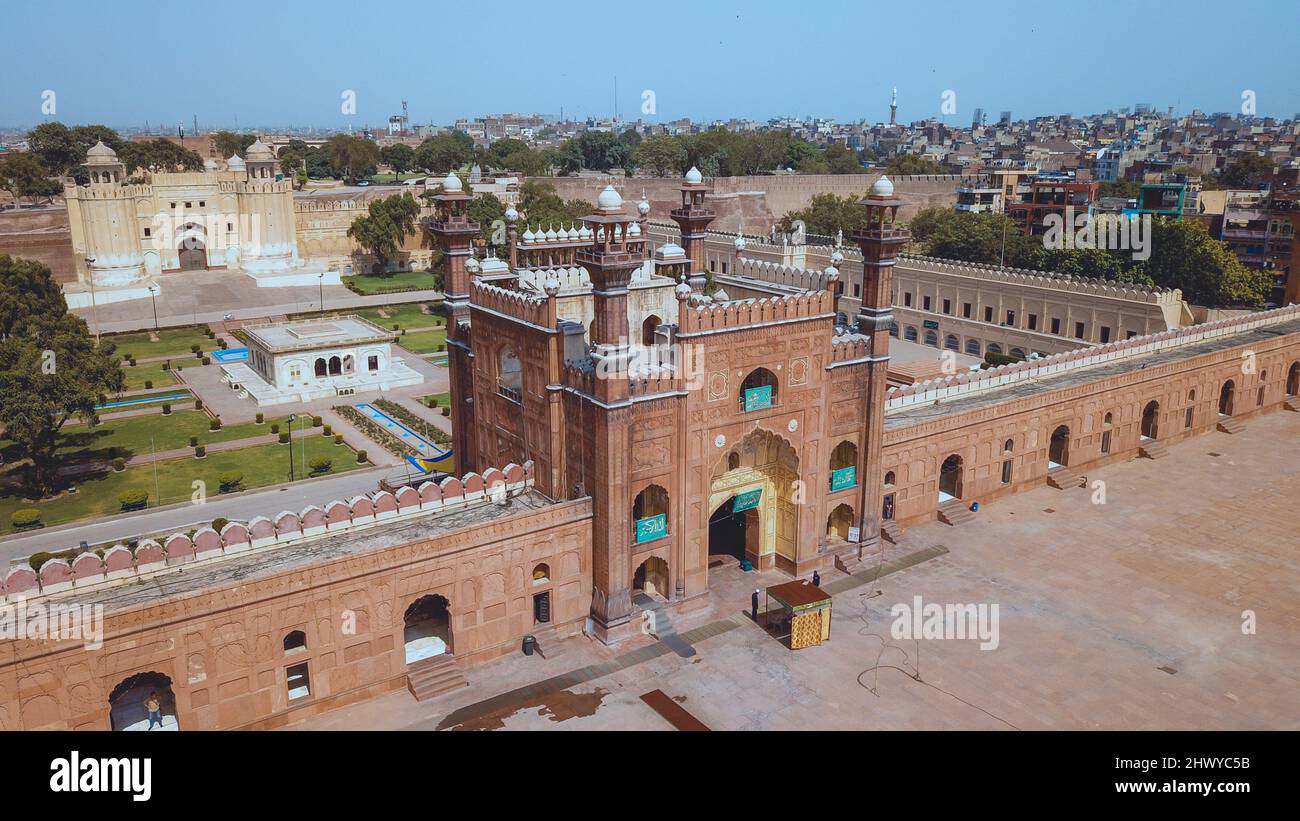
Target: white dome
<point x="882" y="188"/>
<point x="670" y="250"/>
<point x="832" y="273"/>
<point x="512" y="214"/>
<point x="492" y="265"/>
<point x="528" y="235"/>
<point x="259" y="151"/>
<point x="235" y="163"/>
<point x="694" y="177"/>
<point x="573" y="233"/>
<point x="584" y="233"/>
<point x="471" y="265"/>
<point x="643" y="207"/>
<point x="99" y="150"/>
<point x="683" y="291"/>
<point x="634" y="230"/>
<point x="551" y="236"/>
<point x="836" y="258"/>
<point x="551" y="286"/>
<point x="740" y="243"/>
<point x="452" y="184"/>
<point x="609" y="199"/>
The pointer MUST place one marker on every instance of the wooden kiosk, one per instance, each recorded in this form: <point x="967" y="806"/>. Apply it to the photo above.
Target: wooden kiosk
<point x="807" y="609"/>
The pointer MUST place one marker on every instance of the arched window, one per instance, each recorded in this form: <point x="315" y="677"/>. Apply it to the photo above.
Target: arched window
<point x="648" y="328"/>
<point x="839" y="522"/>
<point x="1225" y="398"/>
<point x="1018" y="353"/>
<point x="1191" y="409"/>
<point x="994" y="348"/>
<point x="1293" y="379"/>
<point x="844" y="466"/>
<point x="1263" y="382"/>
<point x="1150" y="420"/>
<point x="733" y="460"/>
<point x="932" y="339"/>
<point x="973" y="347"/>
<point x="541" y="574"/>
<point x="951" y="342"/>
<point x="320" y="366"/>
<point x="1105" y="433"/>
<point x="889" y="478"/>
<point x="295" y="642"/>
<point x="650" y="514"/>
<point x="759" y="390"/>
<point x="510" y="377"/>
<point x="1007" y="448"/>
<point x="909" y="333"/>
<point x="893" y="330"/>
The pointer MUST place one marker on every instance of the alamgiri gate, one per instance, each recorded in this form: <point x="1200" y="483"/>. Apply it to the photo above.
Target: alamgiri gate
<point x="624" y="429"/>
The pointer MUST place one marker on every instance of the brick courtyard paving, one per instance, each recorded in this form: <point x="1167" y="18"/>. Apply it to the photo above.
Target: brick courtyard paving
<point x="1123" y="615"/>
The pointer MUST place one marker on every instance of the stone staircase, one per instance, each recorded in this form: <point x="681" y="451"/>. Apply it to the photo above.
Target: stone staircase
<point x="661" y="627"/>
<point x="1230" y="424"/>
<point x="955" y="512"/>
<point x="434" y="676"/>
<point x="1292" y="404"/>
<point x="1153" y="449"/>
<point x="891" y="532"/>
<point x="1063" y="478"/>
<point x="549" y="642"/>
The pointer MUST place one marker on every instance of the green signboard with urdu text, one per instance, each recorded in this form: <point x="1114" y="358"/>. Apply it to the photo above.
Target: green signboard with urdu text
<point x="844" y="478"/>
<point x="651" y="528"/>
<point x="746" y="500"/>
<point x="758" y="398"/>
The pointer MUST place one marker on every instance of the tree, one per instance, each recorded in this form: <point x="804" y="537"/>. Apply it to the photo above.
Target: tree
<point x="445" y="152"/>
<point x="50" y="369"/>
<point x="23" y="175"/>
<point x="1185" y="256"/>
<point x="486" y="210"/>
<point x="229" y="143"/>
<point x="1127" y="189"/>
<point x="528" y="162"/>
<point x="915" y="164"/>
<point x="843" y="160"/>
<point x="662" y="154"/>
<point x="352" y="157"/>
<point x="826" y="214"/>
<point x="399" y="157"/>
<point x="602" y="150"/>
<point x="159" y="155"/>
<point x="1247" y="171"/>
<point x="502" y="148"/>
<point x="387" y="223"/>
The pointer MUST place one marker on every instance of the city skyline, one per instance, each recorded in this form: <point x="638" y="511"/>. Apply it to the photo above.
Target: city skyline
<point x="384" y="64"/>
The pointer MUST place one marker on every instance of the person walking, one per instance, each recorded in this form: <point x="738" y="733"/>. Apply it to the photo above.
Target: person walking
<point x="154" y="706"/>
<point x="817" y="579"/>
<point x="753" y="604"/>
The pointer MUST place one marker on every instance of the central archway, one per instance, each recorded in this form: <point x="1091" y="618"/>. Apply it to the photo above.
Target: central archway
<point x="427" y="630"/>
<point x="192" y="248"/>
<point x="126" y="703"/>
<point x="1293" y="379"/>
<point x="651" y="577"/>
<point x="1225" y="398"/>
<point x="753" y="509"/>
<point x="950" y="478"/>
<point x="1058" y="452"/>
<point x="1151" y="420"/>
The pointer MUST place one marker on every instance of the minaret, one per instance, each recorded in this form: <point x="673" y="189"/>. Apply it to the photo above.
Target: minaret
<point x="880" y="240"/>
<point x="893" y="107"/>
<point x="106" y="211"/>
<point x="610" y="260"/>
<point x="455" y="233"/>
<point x="693" y="218"/>
<point x="269" y="240"/>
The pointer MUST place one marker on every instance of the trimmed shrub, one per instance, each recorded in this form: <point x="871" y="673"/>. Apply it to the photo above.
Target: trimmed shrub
<point x="442" y="347"/>
<point x="25" y="517"/>
<point x="222" y="344"/>
<point x="284" y="438"/>
<point x="446" y="411"/>
<point x="321" y="464"/>
<point x="133" y="498"/>
<point x="361" y="456"/>
<point x="260" y="417"/>
<point x="179" y="368"/>
<point x="433" y="402"/>
<point x="200" y="451"/>
<point x="119" y="464"/>
<point x="215" y="424"/>
<point x="148" y="384"/>
<point x="230" y="480"/>
<point x="167" y="365"/>
<point x="316" y="421"/>
<point x="194" y="441"/>
<point x="396" y="327"/>
<point x="37" y="559"/>
<point x="207" y="360"/>
<point x="128" y="356"/>
<point x="194" y="349"/>
<point x="328" y="430"/>
<point x="275" y="427"/>
<point x="338" y="438"/>
<point x="198" y="404"/>
<point x="219" y="523"/>
<point x="94" y="420"/>
<point x="167" y="409"/>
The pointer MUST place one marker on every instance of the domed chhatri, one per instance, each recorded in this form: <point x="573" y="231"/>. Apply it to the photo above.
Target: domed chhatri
<point x="259" y="151"/>
<point x="451" y="184"/>
<point x="694" y="177"/>
<point x="643" y="207"/>
<point x="882" y="188"/>
<point x="100" y="153"/>
<point x="740" y="243"/>
<point x="235" y="163"/>
<point x="609" y="200"/>
<point x="511" y="214"/>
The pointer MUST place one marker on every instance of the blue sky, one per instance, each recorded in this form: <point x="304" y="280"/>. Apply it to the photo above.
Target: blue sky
<point x="288" y="63"/>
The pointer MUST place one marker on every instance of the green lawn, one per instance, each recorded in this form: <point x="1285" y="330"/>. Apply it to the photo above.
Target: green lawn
<point x="261" y="465"/>
<point x="391" y="177"/>
<point x="172" y="342"/>
<point x="444" y="399"/>
<point x="160" y="397"/>
<point x="130" y="436"/>
<point x="402" y="314"/>
<point x="423" y="341"/>
<point x="147" y="372"/>
<point x="402" y="280"/>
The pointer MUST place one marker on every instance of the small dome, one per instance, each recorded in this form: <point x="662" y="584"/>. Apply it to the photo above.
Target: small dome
<point x="670" y="250"/>
<point x="451" y="184"/>
<point x="512" y="214"/>
<point x="472" y="265"/>
<point x="694" y="177"/>
<point x="100" y="154"/>
<point x="634" y="230"/>
<point x="235" y="163"/>
<point x="882" y="188"/>
<point x="643" y="207"/>
<point x="551" y="286"/>
<point x="836" y="258"/>
<point x="492" y="265"/>
<point x="529" y="236"/>
<point x="551" y="236"/>
<point x="210" y="164"/>
<point x="584" y="233"/>
<point x="609" y="199"/>
<point x="683" y="291"/>
<point x="740" y="243"/>
<point x="573" y="233"/>
<point x="832" y="273"/>
<point x="259" y="151"/>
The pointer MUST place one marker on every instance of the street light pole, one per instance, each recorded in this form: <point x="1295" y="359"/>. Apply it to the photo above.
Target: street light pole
<point x="292" y="417"/>
<point x="94" y="309"/>
<point x="153" y="298"/>
<point x="320" y="286"/>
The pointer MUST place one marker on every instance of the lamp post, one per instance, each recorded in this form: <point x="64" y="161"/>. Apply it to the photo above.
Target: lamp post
<point x="320" y="287"/>
<point x="94" y="309"/>
<point x="292" y="417"/>
<point x="153" y="298"/>
<point x="305" y="422"/>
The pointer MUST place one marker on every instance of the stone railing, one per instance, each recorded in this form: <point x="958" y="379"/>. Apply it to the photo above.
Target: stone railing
<point x="533" y="308"/>
<point x="799" y="279"/>
<point x="971" y="382"/>
<point x="740" y="314"/>
<point x="121" y="564"/>
<point x="1045" y="279"/>
<point x="850" y="346"/>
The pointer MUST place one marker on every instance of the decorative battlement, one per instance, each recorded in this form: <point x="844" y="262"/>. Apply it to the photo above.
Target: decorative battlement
<point x="580" y="376"/>
<point x="849" y="347"/>
<point x="971" y="382"/>
<point x="570" y="277"/>
<point x="543" y="237"/>
<point x="527" y="307"/>
<point x="744" y="313"/>
<point x="797" y="279"/>
<point x="1045" y="279"/>
<point x="108" y="192"/>
<point x="121" y="564"/>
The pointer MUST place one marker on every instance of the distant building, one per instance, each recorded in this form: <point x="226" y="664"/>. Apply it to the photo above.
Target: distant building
<point x="1051" y="193"/>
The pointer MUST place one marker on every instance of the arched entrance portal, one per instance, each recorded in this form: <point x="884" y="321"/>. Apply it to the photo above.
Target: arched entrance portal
<point x="839" y="522"/>
<point x="1225" y="398"/>
<point x="192" y="248"/>
<point x="126" y="704"/>
<point x="1058" y="453"/>
<point x="428" y="628"/>
<point x="1151" y="420"/>
<point x="950" y="478"/>
<point x="652" y="577"/>
<point x="754" y="511"/>
<point x="1293" y="380"/>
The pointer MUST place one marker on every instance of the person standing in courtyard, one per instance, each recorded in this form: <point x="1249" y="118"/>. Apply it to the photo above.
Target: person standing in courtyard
<point x="154" y="706"/>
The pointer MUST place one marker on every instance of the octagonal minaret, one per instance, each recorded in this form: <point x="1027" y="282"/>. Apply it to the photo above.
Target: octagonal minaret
<point x="694" y="219"/>
<point x="112" y="256"/>
<point x="267" y="235"/>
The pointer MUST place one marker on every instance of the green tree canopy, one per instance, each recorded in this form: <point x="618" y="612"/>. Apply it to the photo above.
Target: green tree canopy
<point x="915" y="164"/>
<point x="352" y="157"/>
<point x="444" y="152"/>
<point x="399" y="157"/>
<point x="229" y="143"/>
<point x="662" y="155"/>
<point x="158" y="155"/>
<point x="387" y="223"/>
<point x="23" y="175"/>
